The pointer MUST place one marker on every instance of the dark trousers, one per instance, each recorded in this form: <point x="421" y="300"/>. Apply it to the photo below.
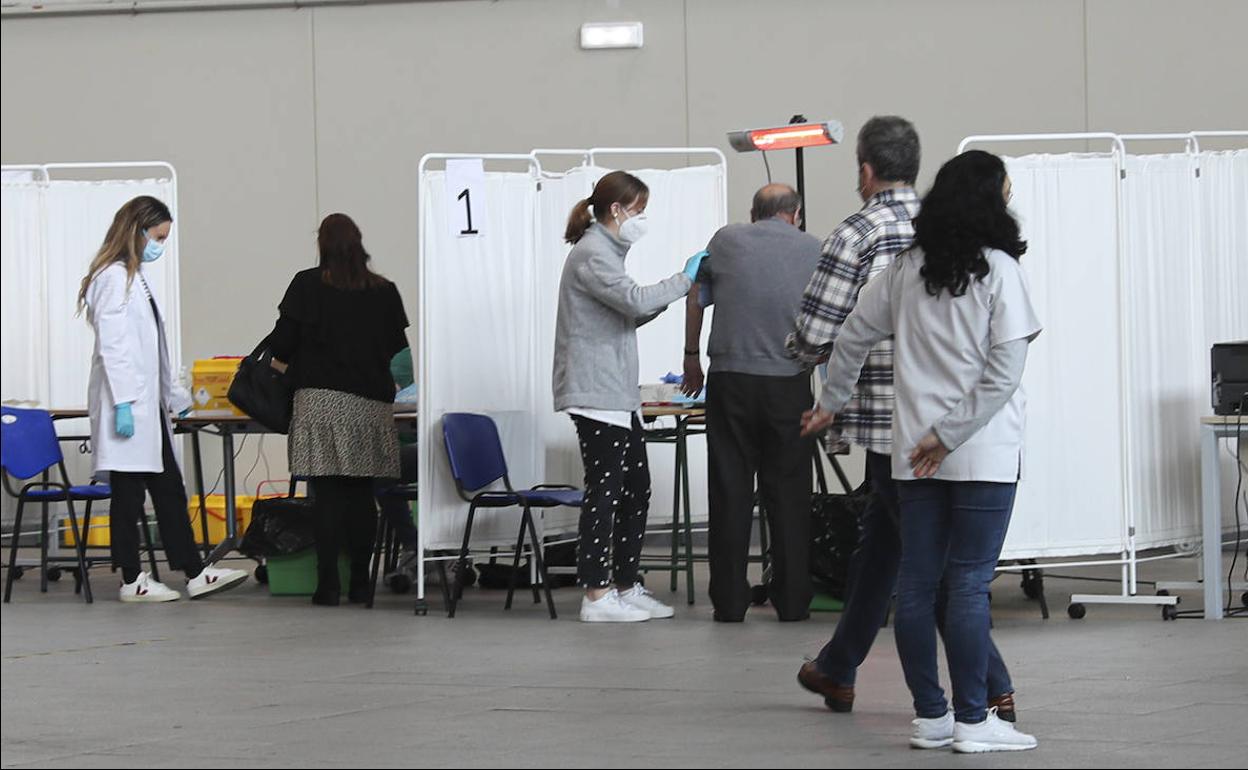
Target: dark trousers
<point x="169" y="499"/>
<point x="872" y="579"/>
<point x="951" y="538"/>
<point x="346" y="517"/>
<point x="617" y="503"/>
<point x="753" y="427"/>
<point x="399" y="512"/>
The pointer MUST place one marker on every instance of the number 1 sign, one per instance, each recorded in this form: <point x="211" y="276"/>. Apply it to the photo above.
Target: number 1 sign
<point x="465" y="192"/>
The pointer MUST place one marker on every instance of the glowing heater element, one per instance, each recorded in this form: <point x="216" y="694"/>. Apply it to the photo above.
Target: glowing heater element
<point x="787" y="137"/>
<point x="614" y="35"/>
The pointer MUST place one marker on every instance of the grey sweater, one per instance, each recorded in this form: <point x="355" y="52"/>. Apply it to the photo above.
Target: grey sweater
<point x="600" y="308"/>
<point x="757" y="275"/>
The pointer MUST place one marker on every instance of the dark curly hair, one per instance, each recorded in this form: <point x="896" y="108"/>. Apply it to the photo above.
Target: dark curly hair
<point x="963" y="214"/>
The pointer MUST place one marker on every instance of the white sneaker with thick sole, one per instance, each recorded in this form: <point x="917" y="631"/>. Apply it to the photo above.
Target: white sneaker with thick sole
<point x="992" y="734"/>
<point x="609" y="609"/>
<point x="639" y="597"/>
<point x="933" y="733"/>
<point x="214" y="580"/>
<point x="145" y="589"/>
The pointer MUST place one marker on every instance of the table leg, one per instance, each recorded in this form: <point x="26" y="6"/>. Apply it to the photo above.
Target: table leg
<point x="198" y="461"/>
<point x="683" y="469"/>
<point x="1211" y="522"/>
<point x="231" y="526"/>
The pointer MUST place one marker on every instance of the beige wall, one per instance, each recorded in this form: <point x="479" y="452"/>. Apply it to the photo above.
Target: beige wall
<point x="274" y="118"/>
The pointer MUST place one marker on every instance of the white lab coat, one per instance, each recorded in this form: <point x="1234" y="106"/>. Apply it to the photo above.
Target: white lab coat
<point x="130" y="363"/>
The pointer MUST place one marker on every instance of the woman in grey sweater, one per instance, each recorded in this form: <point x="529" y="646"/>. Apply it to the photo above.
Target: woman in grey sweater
<point x="596" y="384"/>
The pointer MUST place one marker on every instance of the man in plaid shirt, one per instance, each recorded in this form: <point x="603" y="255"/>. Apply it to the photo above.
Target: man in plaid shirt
<point x="860" y="247"/>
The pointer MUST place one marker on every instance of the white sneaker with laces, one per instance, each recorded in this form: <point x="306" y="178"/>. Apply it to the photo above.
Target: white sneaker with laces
<point x="639" y="597"/>
<point x="934" y="733"/>
<point x="992" y="734"/>
<point x="145" y="589"/>
<point x="609" y="609"/>
<point x="214" y="580"/>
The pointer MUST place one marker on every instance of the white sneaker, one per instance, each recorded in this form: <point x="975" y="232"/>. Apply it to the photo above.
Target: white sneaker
<point x="933" y="733"/>
<point x="145" y="589"/>
<point x="609" y="609"/>
<point x="638" y="597"/>
<point x="214" y="580"/>
<point x="992" y="734"/>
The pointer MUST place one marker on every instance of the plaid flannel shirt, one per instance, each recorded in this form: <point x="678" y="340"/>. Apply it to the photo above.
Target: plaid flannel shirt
<point x="861" y="246"/>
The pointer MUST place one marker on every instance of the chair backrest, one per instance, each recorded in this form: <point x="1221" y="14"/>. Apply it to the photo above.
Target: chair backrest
<point x="28" y="443"/>
<point x="474" y="449"/>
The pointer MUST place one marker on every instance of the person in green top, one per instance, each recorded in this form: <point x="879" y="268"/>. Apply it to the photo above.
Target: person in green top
<point x="398" y="512"/>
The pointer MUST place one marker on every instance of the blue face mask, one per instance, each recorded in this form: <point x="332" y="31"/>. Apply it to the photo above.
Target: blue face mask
<point x="153" y="250"/>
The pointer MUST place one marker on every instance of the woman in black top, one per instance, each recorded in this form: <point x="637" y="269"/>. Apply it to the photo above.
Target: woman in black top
<point x="339" y="327"/>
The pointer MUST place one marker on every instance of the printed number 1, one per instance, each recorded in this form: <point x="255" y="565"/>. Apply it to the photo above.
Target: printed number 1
<point x="466" y="197"/>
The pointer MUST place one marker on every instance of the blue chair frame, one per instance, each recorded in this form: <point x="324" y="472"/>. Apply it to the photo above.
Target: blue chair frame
<point x="477" y="461"/>
<point x="29" y="447"/>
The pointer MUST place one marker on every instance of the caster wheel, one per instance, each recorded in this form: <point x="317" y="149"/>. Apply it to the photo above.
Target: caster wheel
<point x="758" y="595"/>
<point x="54" y="574"/>
<point x="262" y="574"/>
<point x="1031" y="590"/>
<point x="1169" y="612"/>
<point x="399" y="584"/>
<point x="1077" y="611"/>
<point x="1243" y="598"/>
<point x="1163" y="592"/>
<point x="18" y="572"/>
<point x="422" y="608"/>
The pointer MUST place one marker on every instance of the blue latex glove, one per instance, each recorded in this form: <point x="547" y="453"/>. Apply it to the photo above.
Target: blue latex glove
<point x="124" y="420"/>
<point x="691" y="267"/>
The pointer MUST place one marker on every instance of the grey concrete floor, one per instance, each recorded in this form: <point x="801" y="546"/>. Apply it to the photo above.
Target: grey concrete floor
<point x="244" y="679"/>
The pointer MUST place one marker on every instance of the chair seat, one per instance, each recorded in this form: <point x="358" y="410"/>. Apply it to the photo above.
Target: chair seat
<point x="545" y="497"/>
<point x="90" y="492"/>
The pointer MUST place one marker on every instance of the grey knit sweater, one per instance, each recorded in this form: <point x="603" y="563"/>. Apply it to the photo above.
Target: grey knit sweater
<point x="600" y="308"/>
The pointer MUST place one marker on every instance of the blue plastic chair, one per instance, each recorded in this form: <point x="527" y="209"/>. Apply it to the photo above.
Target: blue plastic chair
<point x="29" y="447"/>
<point x="477" y="461"/>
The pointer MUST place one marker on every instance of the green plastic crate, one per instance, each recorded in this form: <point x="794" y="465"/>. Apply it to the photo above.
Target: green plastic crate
<point x="826" y="603"/>
<point x="295" y="575"/>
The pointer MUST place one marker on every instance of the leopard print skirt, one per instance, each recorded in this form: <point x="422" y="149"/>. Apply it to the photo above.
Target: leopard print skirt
<point x="333" y="433"/>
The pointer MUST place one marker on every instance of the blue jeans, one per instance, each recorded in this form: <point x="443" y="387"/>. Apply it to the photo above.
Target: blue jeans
<point x="951" y="532"/>
<point x="872" y="580"/>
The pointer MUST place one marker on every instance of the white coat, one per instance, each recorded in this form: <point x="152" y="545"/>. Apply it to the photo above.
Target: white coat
<point x="130" y="363"/>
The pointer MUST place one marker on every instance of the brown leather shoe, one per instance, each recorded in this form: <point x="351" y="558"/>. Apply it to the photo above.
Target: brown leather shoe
<point x="839" y="698"/>
<point x="1004" y="704"/>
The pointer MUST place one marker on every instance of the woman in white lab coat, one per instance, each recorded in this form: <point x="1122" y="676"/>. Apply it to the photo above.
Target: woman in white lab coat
<point x="131" y="395"/>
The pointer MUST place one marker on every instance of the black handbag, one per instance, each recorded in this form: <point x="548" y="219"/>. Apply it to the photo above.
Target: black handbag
<point x="261" y="391"/>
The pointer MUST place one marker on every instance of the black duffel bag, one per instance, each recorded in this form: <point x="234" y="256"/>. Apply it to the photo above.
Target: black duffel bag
<point x="834" y="530"/>
<point x="261" y="391"/>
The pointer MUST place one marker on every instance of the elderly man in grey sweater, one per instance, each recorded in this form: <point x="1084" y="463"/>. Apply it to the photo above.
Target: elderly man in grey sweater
<point x="755" y="276"/>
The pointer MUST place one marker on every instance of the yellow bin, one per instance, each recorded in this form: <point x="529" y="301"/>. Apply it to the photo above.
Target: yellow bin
<point x="210" y="384"/>
<point x="98" y="537"/>
<point x="216" y="516"/>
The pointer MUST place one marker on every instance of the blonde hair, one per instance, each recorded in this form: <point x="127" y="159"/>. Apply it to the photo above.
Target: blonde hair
<point x="125" y="240"/>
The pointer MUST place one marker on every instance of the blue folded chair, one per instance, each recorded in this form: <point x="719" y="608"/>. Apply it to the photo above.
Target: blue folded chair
<point x="477" y="461"/>
<point x="29" y="447"/>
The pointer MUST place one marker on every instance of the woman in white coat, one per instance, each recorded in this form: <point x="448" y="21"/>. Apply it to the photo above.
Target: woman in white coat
<point x="131" y="395"/>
